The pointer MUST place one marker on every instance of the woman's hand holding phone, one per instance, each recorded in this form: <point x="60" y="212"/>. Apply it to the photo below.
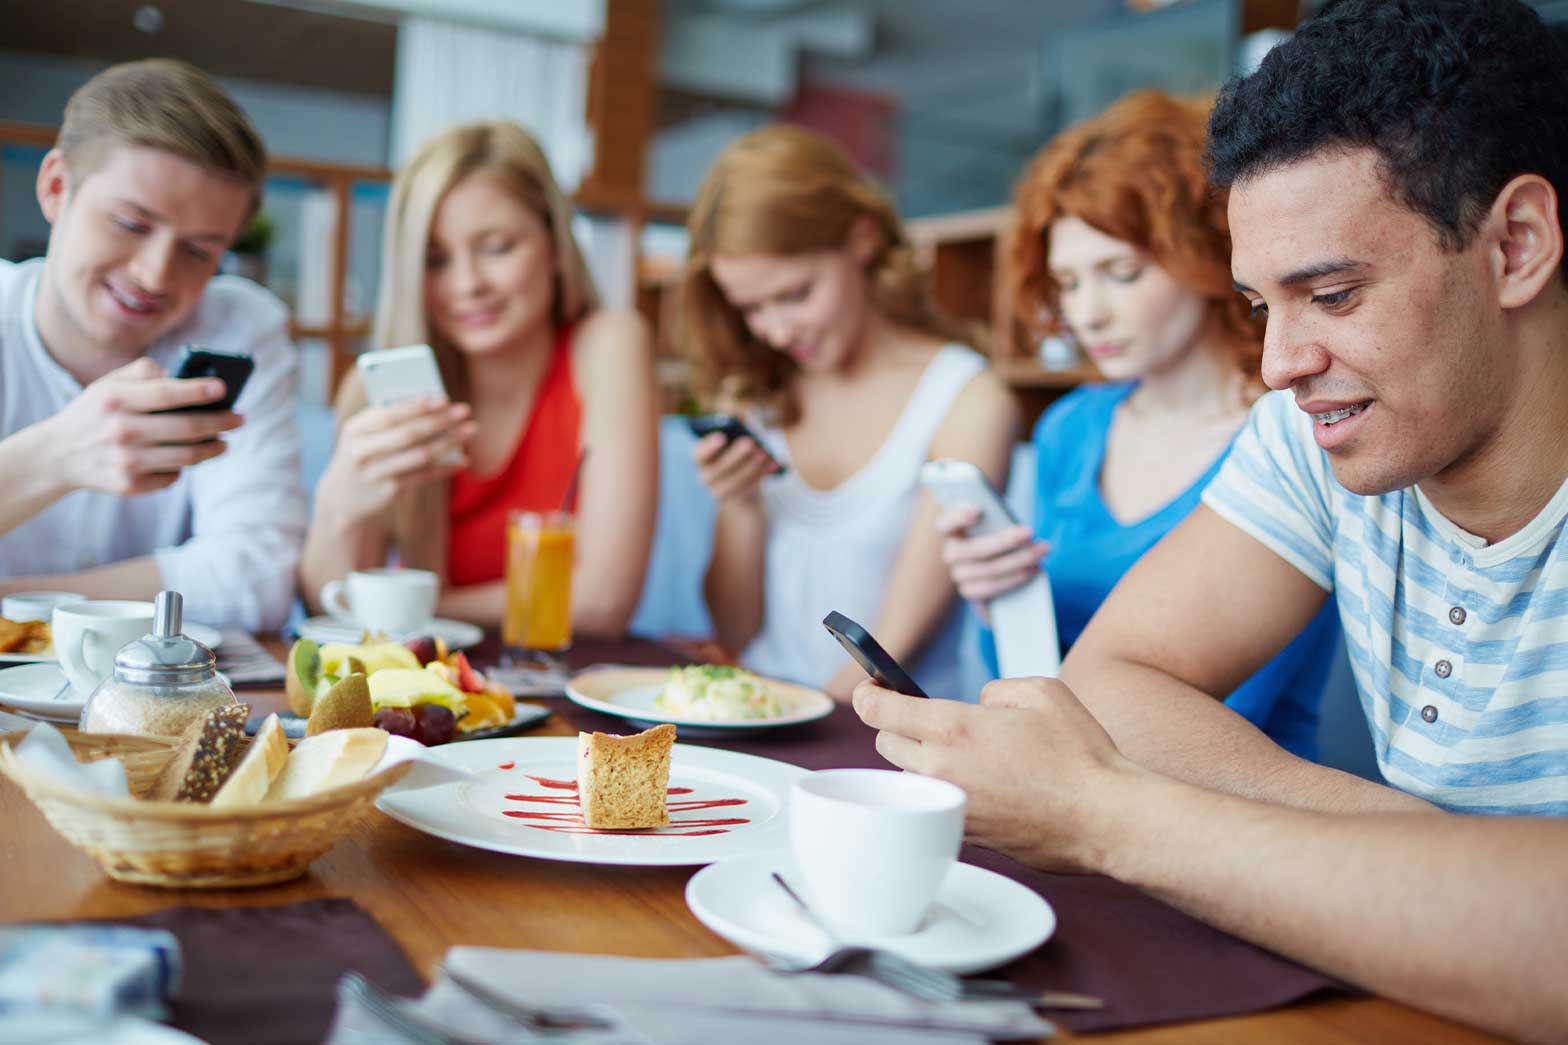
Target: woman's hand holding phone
<point x="385" y="450"/>
<point x="984" y="567"/>
<point x="732" y="469"/>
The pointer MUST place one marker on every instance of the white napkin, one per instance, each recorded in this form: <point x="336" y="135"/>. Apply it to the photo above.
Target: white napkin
<point x="698" y="1001"/>
<point x="46" y="751"/>
<point x="102" y="971"/>
<point x="427" y="772"/>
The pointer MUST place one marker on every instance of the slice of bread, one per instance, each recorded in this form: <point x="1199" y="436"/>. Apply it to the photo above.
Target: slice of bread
<point x="320" y="763"/>
<point x="250" y="780"/>
<point x="203" y="757"/>
<point x="621" y="781"/>
<point x="345" y="706"/>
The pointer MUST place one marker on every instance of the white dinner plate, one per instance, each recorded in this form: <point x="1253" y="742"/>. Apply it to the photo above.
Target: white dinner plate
<point x="629" y="692"/>
<point x="722" y="804"/>
<point x="458" y="634"/>
<point x="980" y="919"/>
<point x="212" y="638"/>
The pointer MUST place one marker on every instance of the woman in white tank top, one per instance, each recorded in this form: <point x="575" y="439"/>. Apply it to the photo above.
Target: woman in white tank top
<point x="805" y="313"/>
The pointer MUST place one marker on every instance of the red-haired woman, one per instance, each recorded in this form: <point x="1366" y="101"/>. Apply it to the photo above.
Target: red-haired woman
<point x="1118" y="237"/>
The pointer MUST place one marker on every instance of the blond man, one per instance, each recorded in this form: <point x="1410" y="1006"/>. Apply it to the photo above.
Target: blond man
<point x="155" y="173"/>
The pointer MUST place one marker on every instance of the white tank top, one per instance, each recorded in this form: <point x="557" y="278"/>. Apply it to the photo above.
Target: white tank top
<point x="835" y="549"/>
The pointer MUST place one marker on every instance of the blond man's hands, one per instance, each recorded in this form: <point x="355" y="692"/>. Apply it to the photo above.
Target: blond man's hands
<point x="112" y="437"/>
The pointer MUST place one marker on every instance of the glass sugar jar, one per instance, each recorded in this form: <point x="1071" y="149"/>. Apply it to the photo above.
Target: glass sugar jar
<point x="161" y="682"/>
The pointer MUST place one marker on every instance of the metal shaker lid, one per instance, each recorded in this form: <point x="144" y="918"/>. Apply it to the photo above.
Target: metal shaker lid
<point x="166" y="656"/>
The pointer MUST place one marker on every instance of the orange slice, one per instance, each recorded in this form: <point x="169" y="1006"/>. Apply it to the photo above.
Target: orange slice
<point x="484" y="712"/>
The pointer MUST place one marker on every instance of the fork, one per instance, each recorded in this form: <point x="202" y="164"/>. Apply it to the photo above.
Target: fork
<point x="542" y="1021"/>
<point x="922" y="981"/>
<point x="393" y="1016"/>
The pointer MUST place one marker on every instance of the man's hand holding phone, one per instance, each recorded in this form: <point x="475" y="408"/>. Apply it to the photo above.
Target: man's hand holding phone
<point x="116" y="436"/>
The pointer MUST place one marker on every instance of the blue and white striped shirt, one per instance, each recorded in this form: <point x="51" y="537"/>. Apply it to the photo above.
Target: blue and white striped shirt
<point x="1459" y="648"/>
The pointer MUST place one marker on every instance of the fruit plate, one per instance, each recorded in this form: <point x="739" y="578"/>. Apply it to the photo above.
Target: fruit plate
<point x="723" y="804"/>
<point x="525" y="716"/>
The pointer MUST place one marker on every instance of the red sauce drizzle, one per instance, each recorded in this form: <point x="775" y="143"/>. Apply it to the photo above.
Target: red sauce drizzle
<point x="507" y="765"/>
<point x="571" y="822"/>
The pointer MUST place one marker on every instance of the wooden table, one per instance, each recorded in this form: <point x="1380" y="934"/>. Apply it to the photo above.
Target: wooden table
<point x="432" y="895"/>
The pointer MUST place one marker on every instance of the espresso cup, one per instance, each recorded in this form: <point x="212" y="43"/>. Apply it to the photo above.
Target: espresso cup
<point x="873" y="846"/>
<point x="88" y="634"/>
<point x="36" y="605"/>
<point x="390" y="600"/>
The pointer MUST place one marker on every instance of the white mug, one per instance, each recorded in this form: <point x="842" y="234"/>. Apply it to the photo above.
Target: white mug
<point x="88" y="634"/>
<point x="873" y="846"/>
<point x="390" y="600"/>
<point x="36" y="605"/>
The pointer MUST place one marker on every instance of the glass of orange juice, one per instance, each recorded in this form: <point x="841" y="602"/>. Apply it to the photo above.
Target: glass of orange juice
<point x="538" y="582"/>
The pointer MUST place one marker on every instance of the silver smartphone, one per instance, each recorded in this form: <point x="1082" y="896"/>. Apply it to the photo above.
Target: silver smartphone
<point x="396" y="375"/>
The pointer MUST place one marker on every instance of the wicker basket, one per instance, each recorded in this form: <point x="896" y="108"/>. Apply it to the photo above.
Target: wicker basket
<point x="183" y="845"/>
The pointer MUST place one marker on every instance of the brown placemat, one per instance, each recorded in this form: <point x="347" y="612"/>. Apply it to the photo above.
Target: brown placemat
<point x="1150" y="962"/>
<point x="268" y="975"/>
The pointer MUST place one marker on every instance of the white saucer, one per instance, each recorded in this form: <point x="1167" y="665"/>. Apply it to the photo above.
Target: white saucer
<point x="980" y="919"/>
<point x="37" y="690"/>
<point x="33" y="688"/>
<point x="458" y="634"/>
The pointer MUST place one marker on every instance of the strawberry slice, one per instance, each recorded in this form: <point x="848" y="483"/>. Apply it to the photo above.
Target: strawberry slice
<point x="468" y="680"/>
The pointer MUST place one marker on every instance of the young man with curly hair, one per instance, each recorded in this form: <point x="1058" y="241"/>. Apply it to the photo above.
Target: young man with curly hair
<point x="1396" y="172"/>
<point x="155" y="173"/>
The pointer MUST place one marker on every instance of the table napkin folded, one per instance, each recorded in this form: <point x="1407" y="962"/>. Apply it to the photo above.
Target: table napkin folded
<point x="45" y="751"/>
<point x="246" y="661"/>
<point x="97" y="970"/>
<point x="695" y="1001"/>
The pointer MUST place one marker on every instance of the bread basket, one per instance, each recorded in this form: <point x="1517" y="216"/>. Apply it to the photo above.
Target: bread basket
<point x="183" y="845"/>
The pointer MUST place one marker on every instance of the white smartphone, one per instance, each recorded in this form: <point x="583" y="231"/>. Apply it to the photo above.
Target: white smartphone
<point x="1024" y="619"/>
<point x="396" y="375"/>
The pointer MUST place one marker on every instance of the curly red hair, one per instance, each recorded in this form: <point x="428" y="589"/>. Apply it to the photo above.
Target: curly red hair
<point x="1136" y="173"/>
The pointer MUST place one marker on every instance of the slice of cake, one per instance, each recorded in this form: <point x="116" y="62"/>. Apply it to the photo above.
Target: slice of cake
<point x="621" y="781"/>
<point x="204" y="756"/>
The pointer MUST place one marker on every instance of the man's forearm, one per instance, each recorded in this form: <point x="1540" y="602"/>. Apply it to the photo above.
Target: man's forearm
<point x="136" y="578"/>
<point x="1463" y="916"/>
<point x="29" y="488"/>
<point x="1167" y="726"/>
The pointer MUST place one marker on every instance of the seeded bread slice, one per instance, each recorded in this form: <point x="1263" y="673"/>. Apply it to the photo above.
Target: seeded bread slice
<point x="204" y="756"/>
<point x="622" y="781"/>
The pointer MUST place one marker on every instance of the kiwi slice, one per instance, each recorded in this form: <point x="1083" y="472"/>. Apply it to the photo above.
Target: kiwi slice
<point x="301" y="676"/>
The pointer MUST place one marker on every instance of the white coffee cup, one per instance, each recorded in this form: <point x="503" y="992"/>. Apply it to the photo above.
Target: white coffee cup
<point x="88" y="634"/>
<point x="391" y="600"/>
<point x="36" y="605"/>
<point x="873" y="846"/>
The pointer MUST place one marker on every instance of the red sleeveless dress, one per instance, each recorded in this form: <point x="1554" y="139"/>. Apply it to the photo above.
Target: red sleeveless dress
<point x="535" y="479"/>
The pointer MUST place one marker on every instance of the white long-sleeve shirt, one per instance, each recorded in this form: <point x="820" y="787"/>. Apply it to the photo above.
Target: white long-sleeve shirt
<point x="227" y="533"/>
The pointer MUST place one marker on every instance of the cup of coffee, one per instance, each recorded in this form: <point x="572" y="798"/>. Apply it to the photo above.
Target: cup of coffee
<point x="390" y="600"/>
<point x="89" y="633"/>
<point x="873" y="846"/>
<point x="36" y="605"/>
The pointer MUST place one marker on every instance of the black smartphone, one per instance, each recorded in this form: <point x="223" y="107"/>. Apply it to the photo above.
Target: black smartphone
<point x="233" y="368"/>
<point x="732" y="427"/>
<point x="869" y="654"/>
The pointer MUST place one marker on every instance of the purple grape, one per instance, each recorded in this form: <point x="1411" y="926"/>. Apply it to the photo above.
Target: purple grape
<point x="436" y="724"/>
<point x="397" y="721"/>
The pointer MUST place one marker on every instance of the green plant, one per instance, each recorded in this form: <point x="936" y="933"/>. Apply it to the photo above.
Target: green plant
<point x="257" y="236"/>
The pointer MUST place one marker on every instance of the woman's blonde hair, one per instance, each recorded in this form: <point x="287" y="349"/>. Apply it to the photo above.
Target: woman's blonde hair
<point x="508" y="153"/>
<point x="785" y="190"/>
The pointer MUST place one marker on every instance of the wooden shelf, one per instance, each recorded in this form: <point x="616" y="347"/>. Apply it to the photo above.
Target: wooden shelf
<point x="1025" y="373"/>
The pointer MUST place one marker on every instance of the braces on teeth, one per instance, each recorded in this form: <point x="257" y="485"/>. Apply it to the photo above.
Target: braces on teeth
<point x="1335" y="416"/>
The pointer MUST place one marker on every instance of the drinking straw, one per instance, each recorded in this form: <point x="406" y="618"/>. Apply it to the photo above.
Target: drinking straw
<point x="569" y="502"/>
